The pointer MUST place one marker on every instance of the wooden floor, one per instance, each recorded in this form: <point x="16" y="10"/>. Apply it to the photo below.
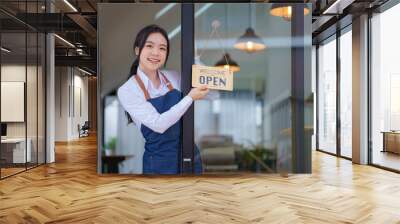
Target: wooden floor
<point x="8" y="171"/>
<point x="70" y="191"/>
<point x="5" y="172"/>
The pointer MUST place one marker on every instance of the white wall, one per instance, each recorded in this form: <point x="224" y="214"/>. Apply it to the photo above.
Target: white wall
<point x="70" y="83"/>
<point x="12" y="73"/>
<point x="32" y="127"/>
<point x="79" y="117"/>
<point x="61" y="103"/>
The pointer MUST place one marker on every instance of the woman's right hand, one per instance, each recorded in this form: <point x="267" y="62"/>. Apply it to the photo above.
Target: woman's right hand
<point x="198" y="93"/>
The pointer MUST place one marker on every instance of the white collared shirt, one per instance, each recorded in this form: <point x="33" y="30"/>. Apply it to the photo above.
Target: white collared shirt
<point x="143" y="112"/>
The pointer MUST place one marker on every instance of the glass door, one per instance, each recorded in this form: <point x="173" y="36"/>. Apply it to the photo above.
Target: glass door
<point x="260" y="126"/>
<point x="121" y="142"/>
<point x="250" y="129"/>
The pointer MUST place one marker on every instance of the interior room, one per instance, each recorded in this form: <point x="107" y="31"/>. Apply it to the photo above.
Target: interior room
<point x="22" y="99"/>
<point x="309" y="134"/>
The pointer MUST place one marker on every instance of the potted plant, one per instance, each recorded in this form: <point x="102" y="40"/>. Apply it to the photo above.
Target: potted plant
<point x="110" y="146"/>
<point x="257" y="158"/>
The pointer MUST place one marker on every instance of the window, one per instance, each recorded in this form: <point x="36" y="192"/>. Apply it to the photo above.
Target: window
<point x="250" y="128"/>
<point x="327" y="96"/>
<point x="385" y="89"/>
<point x="346" y="93"/>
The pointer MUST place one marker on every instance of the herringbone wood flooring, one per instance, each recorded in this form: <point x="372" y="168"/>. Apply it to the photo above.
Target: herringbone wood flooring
<point x="70" y="191"/>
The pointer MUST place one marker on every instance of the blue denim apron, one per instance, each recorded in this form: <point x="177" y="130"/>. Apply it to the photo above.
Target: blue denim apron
<point x="162" y="151"/>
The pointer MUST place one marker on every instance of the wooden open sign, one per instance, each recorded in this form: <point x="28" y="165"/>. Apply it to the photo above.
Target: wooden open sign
<point x="212" y="77"/>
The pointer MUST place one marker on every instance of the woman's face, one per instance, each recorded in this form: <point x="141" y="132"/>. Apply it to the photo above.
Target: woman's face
<point x="154" y="52"/>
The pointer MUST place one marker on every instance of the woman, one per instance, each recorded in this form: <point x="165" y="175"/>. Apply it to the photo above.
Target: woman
<point x="152" y="101"/>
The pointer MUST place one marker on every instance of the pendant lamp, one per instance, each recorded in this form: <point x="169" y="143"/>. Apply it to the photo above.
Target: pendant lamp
<point x="249" y="41"/>
<point x="285" y="10"/>
<point x="227" y="62"/>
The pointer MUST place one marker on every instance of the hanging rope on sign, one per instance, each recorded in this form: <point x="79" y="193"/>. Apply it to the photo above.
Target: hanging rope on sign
<point x="215" y="25"/>
<point x="211" y="76"/>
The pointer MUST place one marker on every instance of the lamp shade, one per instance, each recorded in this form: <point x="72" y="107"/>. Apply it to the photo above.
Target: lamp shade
<point x="227" y="62"/>
<point x="284" y="10"/>
<point x="249" y="42"/>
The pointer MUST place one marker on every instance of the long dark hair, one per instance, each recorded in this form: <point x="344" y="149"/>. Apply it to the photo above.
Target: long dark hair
<point x="140" y="41"/>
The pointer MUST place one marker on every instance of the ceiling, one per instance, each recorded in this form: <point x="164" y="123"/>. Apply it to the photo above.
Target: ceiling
<point x="76" y="22"/>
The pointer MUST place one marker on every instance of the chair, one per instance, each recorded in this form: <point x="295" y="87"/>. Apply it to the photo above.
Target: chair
<point x="218" y="153"/>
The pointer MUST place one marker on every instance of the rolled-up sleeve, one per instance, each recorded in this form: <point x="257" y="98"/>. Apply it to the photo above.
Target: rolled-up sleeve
<point x="144" y="112"/>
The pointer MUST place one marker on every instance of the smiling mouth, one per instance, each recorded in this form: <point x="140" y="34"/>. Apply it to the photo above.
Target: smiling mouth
<point x="153" y="61"/>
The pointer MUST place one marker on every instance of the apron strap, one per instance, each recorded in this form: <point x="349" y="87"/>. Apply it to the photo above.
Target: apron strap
<point x="169" y="85"/>
<point x="146" y="93"/>
<point x="141" y="85"/>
